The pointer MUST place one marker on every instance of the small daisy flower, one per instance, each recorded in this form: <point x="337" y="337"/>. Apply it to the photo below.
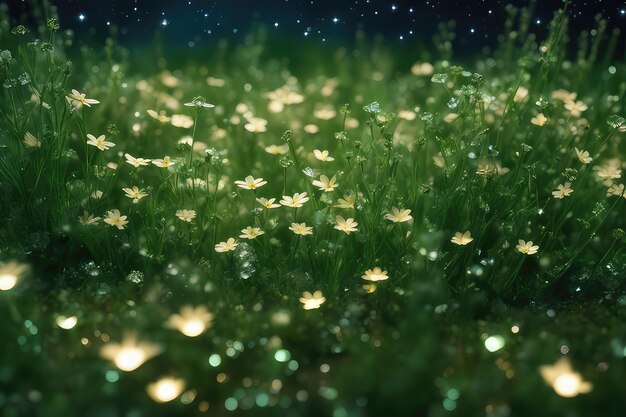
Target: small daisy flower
<point x="277" y="149"/>
<point x="462" y="239"/>
<point x="186" y="215"/>
<point x="227" y="246"/>
<point x="346" y="202"/>
<point x="77" y="99"/>
<point x="88" y="219"/>
<point x="324" y="184"/>
<point x="563" y="190"/>
<point x="375" y="274"/>
<point x="323" y="156"/>
<point x="583" y="156"/>
<point x="616" y="190"/>
<point x="135" y="193"/>
<point x="609" y="172"/>
<point x="575" y="107"/>
<point x="296" y="201"/>
<point x="163" y="163"/>
<point x="115" y="218"/>
<point x="345" y="225"/>
<point x="99" y="142"/>
<point x="527" y="247"/>
<point x="251" y="233"/>
<point x="399" y="216"/>
<point x="256" y="125"/>
<point x="539" y="120"/>
<point x="30" y="141"/>
<point x="312" y="301"/>
<point x="268" y="204"/>
<point x="301" y="229"/>
<point x="250" y="183"/>
<point x="196" y="182"/>
<point x="136" y="162"/>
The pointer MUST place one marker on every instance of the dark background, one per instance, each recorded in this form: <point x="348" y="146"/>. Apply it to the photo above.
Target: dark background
<point x="193" y="23"/>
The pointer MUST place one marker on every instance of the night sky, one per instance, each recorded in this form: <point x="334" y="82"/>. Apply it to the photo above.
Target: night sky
<point x="192" y="23"/>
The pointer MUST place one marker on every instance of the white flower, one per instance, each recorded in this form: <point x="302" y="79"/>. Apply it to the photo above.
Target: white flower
<point x="99" y="142"/>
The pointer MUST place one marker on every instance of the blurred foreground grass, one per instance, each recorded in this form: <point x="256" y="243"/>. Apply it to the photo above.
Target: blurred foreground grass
<point x="345" y="234"/>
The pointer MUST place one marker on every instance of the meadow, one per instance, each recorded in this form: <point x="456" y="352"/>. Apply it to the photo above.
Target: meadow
<point x="354" y="232"/>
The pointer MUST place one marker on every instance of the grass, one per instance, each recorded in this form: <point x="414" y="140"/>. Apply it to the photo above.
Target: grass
<point x="488" y="196"/>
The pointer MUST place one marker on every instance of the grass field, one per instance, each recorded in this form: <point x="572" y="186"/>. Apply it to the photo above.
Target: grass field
<point x="349" y="236"/>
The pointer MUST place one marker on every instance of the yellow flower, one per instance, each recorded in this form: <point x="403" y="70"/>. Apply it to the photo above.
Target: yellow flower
<point x="322" y="155"/>
<point x="130" y="354"/>
<point x="277" y="149"/>
<point x="165" y="389"/>
<point x="250" y="183"/>
<point x="160" y="116"/>
<point x="114" y="218"/>
<point x="346" y="202"/>
<point x="77" y="99"/>
<point x="324" y="184"/>
<point x="564" y="380"/>
<point x="163" y="163"/>
<point x="462" y="239"/>
<point x="563" y="190"/>
<point x="296" y="201"/>
<point x="399" y="216"/>
<point x="10" y="273"/>
<point x="256" y="125"/>
<point x="136" y="162"/>
<point x="375" y="275"/>
<point x="251" y="232"/>
<point x="301" y="229"/>
<point x="191" y="321"/>
<point x="268" y="204"/>
<point x="88" y="219"/>
<point x="539" y="120"/>
<point x="346" y="226"/>
<point x="312" y="301"/>
<point x="583" y="156"/>
<point x="30" y="141"/>
<point x="99" y="142"/>
<point x="135" y="193"/>
<point x="227" y="246"/>
<point x="527" y="247"/>
<point x="186" y="215"/>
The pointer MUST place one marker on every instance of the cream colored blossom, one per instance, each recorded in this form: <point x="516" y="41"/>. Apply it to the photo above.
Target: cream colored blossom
<point x="575" y="108"/>
<point x="616" y="190"/>
<point x="301" y="229"/>
<point x="462" y="239"/>
<point x="277" y="149"/>
<point x="227" y="246"/>
<point x="347" y="202"/>
<point x="78" y="99"/>
<point x="135" y="193"/>
<point x="186" y="215"/>
<point x="256" y="125"/>
<point x="374" y="275"/>
<point x="539" y="120"/>
<point x="583" y="156"/>
<point x="527" y="247"/>
<point x="345" y="225"/>
<point x="563" y="190"/>
<point x="116" y="219"/>
<point x="30" y="141"/>
<point x="88" y="219"/>
<point x="312" y="301"/>
<point x="398" y="215"/>
<point x="191" y="321"/>
<point x="296" y="201"/>
<point x="268" y="204"/>
<point x="323" y="156"/>
<point x="100" y="142"/>
<point x="250" y="183"/>
<point x="251" y="233"/>
<point x="163" y="163"/>
<point x="136" y="162"/>
<point x="324" y="184"/>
